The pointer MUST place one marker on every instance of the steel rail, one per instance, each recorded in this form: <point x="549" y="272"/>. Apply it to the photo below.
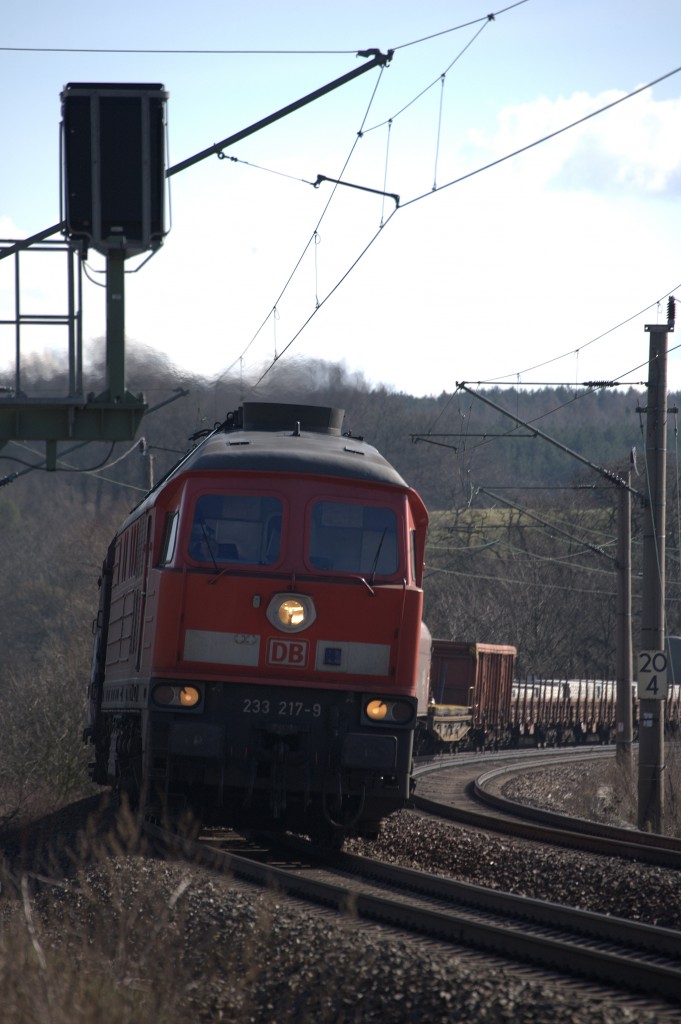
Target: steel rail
<point x="637" y="957"/>
<point x="512" y="818"/>
<point x="617" y="833"/>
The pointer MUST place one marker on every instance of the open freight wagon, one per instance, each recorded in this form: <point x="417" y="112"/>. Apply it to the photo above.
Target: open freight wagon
<point x="469" y="694"/>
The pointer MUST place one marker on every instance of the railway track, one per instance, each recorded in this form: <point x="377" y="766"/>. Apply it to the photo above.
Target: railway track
<point x="467" y="791"/>
<point x="626" y="955"/>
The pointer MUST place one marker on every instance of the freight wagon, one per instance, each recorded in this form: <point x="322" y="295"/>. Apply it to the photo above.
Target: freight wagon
<point x="466" y="692"/>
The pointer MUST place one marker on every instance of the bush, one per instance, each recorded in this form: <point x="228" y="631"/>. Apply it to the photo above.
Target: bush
<point x="43" y="759"/>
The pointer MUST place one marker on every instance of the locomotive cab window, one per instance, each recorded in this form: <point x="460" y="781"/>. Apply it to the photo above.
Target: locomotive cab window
<point x="169" y="537"/>
<point x="240" y="528"/>
<point x="359" y="539"/>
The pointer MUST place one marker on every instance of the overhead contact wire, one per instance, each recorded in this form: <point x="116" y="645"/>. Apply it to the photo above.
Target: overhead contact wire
<point x="266" y="53"/>
<point x="427" y="88"/>
<point x="326" y="298"/>
<point x="460" y="179"/>
<point x="599" y="337"/>
<point x="466" y="24"/>
<point x="544" y="138"/>
<point x="313" y="237"/>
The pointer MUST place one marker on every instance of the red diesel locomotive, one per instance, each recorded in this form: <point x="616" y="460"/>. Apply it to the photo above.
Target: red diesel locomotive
<point x="256" y="644"/>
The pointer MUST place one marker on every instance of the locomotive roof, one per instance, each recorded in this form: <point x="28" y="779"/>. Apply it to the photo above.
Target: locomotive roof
<point x="283" y="438"/>
<point x="279" y="437"/>
<point x="292" y="453"/>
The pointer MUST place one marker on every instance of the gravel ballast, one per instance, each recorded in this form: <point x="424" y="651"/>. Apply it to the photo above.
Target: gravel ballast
<point x="180" y="943"/>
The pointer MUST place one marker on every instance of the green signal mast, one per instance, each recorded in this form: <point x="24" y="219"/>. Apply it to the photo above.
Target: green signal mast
<point x="113" y="200"/>
<point x="113" y="175"/>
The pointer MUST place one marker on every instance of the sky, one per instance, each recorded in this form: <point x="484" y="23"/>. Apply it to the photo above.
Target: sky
<point x="543" y="268"/>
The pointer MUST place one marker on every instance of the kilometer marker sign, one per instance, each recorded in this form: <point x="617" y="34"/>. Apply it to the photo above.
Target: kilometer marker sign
<point x="652" y="675"/>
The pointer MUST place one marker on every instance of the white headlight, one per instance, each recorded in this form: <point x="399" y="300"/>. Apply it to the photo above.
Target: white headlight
<point x="291" y="612"/>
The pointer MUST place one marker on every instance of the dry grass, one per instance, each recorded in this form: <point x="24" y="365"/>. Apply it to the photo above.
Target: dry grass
<point x="124" y="938"/>
<point x="102" y="933"/>
<point x="608" y="792"/>
<point x="43" y="760"/>
<point x="673" y="787"/>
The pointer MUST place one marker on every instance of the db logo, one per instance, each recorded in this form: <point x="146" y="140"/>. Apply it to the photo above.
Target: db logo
<point x="287" y="652"/>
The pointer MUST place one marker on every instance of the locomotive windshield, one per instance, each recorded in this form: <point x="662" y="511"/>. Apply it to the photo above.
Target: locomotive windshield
<point x="352" y="538"/>
<point x="236" y="528"/>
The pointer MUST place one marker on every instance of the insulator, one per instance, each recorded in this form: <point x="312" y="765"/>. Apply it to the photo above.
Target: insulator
<point x="671" y="309"/>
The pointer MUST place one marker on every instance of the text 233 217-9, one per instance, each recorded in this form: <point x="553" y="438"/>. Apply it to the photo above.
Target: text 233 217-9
<point x="280" y="708"/>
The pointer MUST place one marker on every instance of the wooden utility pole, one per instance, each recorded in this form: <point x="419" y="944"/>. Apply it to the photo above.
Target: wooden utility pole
<point x="624" y="655"/>
<point x="651" y="685"/>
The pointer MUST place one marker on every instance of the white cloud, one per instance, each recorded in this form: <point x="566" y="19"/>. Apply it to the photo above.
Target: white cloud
<point x="634" y="147"/>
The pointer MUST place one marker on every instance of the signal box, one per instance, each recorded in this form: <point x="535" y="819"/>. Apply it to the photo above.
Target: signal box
<point x="114" y="165"/>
